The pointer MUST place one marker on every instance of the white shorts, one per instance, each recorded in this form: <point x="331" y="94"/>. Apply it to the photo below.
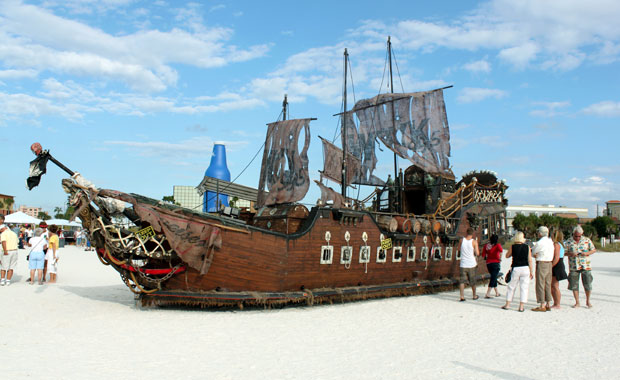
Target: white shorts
<point x="52" y="266"/>
<point x="8" y="261"/>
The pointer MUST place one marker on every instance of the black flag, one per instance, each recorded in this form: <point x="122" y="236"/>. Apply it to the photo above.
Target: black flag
<point x="37" y="169"/>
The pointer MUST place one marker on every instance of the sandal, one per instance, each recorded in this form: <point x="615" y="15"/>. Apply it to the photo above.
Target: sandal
<point x="539" y="308"/>
<point x="521" y="310"/>
<point x="487" y="297"/>
<point x="505" y="307"/>
<point x="475" y="298"/>
<point x="462" y="300"/>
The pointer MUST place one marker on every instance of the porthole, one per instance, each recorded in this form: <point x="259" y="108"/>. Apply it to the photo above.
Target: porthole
<point x="327" y="254"/>
<point x="365" y="254"/>
<point x="397" y="254"/>
<point x="436" y="253"/>
<point x="381" y="255"/>
<point x="411" y="254"/>
<point x="346" y="254"/>
<point x="424" y="254"/>
<point x="448" y="253"/>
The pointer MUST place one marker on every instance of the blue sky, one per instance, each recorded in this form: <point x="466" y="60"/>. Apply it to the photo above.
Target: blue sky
<point x="132" y="94"/>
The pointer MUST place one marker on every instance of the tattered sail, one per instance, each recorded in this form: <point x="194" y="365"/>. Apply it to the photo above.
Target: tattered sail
<point x="284" y="171"/>
<point x="361" y="144"/>
<point x="412" y="125"/>
<point x="329" y="195"/>
<point x="332" y="163"/>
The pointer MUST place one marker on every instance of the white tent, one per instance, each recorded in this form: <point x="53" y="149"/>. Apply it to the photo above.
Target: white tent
<point x="64" y="222"/>
<point x="21" y="218"/>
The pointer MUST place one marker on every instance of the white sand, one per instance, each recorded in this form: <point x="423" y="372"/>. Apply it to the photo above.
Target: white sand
<point x="87" y="327"/>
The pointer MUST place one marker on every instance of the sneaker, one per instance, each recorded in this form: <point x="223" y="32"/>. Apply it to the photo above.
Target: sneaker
<point x="2" y="282"/>
<point x="8" y="282"/>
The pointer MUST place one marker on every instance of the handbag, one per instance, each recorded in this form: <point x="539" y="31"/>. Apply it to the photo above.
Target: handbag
<point x="28" y="256"/>
<point x="508" y="276"/>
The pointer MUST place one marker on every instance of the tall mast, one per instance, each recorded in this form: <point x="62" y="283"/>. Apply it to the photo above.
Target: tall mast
<point x="396" y="179"/>
<point x="344" y="129"/>
<point x="284" y="107"/>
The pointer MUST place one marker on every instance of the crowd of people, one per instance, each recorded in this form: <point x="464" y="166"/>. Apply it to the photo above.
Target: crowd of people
<point x="546" y="255"/>
<point x="43" y="242"/>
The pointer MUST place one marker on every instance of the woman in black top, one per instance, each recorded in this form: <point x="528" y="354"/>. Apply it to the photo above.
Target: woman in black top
<point x="522" y="271"/>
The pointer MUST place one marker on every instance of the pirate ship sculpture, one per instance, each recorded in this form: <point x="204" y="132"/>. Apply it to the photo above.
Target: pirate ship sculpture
<point x="401" y="240"/>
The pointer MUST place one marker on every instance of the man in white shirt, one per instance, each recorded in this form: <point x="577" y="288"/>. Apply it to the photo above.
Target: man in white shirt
<point x="543" y="251"/>
<point x="469" y="252"/>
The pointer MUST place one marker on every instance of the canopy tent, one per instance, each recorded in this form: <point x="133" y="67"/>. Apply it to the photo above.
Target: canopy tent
<point x="64" y="222"/>
<point x="21" y="218"/>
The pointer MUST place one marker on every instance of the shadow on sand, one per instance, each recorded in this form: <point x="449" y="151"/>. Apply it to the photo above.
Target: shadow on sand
<point x="498" y="374"/>
<point x="112" y="293"/>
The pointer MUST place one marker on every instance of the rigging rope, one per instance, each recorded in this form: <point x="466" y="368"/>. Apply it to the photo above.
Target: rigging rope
<point x="398" y="72"/>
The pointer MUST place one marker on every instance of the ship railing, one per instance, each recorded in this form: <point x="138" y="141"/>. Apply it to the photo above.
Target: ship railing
<point x="466" y="194"/>
<point x="462" y="197"/>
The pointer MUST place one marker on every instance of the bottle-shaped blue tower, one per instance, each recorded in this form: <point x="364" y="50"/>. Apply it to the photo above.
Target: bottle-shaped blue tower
<point x="217" y="169"/>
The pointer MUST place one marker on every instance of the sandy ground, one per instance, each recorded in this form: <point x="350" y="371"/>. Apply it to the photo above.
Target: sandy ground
<point x="88" y="327"/>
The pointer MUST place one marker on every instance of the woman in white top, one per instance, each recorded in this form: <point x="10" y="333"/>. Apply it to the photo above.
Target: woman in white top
<point x="37" y="256"/>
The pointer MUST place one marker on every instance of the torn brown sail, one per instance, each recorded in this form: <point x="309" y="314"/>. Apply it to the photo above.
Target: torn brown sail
<point x="331" y="197"/>
<point x="412" y="125"/>
<point x="361" y="143"/>
<point x="332" y="163"/>
<point x="284" y="172"/>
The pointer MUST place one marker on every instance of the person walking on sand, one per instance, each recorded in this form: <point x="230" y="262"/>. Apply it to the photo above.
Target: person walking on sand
<point x="469" y="252"/>
<point x="579" y="249"/>
<point x="558" y="271"/>
<point x="52" y="253"/>
<point x="8" y="260"/>
<point x="522" y="271"/>
<point x="37" y="257"/>
<point x="543" y="251"/>
<point x="43" y="225"/>
<point x="492" y="253"/>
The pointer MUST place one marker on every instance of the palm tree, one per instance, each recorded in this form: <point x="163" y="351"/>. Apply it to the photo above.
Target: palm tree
<point x="8" y="202"/>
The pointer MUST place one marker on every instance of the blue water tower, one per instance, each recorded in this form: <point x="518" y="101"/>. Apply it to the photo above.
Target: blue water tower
<point x="217" y="169"/>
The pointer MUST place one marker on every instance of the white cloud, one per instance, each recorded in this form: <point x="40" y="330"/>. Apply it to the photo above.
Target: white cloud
<point x="33" y="38"/>
<point x="18" y="74"/>
<point x="193" y="147"/>
<point x="490" y="141"/>
<point x="88" y="6"/>
<point x="473" y="95"/>
<point x="606" y="108"/>
<point x="481" y="66"/>
<point x="554" y="34"/>
<point x="574" y="191"/>
<point x="520" y="56"/>
<point x="18" y="105"/>
<point x="217" y="7"/>
<point x="550" y="109"/>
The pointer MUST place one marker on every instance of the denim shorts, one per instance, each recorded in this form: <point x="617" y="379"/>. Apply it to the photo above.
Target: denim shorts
<point x="36" y="261"/>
